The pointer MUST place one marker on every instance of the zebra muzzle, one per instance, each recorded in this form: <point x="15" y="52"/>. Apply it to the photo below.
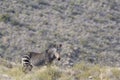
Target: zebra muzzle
<point x="59" y="59"/>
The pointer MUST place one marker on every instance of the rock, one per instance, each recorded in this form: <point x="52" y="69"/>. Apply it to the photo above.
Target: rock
<point x="5" y="77"/>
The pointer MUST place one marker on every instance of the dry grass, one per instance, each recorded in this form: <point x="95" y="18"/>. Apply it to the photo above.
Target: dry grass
<point x="80" y="71"/>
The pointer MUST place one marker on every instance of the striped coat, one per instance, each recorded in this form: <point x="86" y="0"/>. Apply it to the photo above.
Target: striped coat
<point x="37" y="59"/>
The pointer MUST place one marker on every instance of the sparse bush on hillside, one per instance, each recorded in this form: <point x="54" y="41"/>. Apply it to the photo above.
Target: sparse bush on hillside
<point x="88" y="29"/>
<point x="85" y="71"/>
<point x="116" y="73"/>
<point x="49" y="74"/>
<point x="15" y="23"/>
<point x="4" y="18"/>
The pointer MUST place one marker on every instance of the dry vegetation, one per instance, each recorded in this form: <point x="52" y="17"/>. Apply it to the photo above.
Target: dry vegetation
<point x="80" y="71"/>
<point x="88" y="29"/>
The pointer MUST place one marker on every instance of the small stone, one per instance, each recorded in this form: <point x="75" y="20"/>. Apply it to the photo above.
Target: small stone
<point x="90" y="77"/>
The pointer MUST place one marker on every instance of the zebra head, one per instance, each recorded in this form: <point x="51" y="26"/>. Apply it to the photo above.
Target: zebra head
<point x="54" y="51"/>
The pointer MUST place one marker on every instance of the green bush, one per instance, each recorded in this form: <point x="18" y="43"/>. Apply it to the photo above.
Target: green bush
<point x="4" y="18"/>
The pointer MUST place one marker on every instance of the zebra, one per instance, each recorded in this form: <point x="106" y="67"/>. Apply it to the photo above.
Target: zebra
<point x="44" y="58"/>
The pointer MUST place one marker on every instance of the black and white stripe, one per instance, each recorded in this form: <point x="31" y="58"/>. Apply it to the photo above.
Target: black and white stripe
<point x="26" y="64"/>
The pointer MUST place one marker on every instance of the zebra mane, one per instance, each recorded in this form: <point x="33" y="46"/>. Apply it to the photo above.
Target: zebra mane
<point x="51" y="45"/>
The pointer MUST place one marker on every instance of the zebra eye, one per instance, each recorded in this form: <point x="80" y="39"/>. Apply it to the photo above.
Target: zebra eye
<point x="60" y="45"/>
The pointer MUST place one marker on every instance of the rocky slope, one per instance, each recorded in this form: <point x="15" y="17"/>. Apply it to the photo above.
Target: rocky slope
<point x="88" y="29"/>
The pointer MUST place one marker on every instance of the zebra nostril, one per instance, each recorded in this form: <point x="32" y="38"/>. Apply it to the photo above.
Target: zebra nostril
<point x="59" y="59"/>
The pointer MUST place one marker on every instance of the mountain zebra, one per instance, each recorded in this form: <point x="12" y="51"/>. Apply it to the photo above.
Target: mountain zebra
<point x="37" y="59"/>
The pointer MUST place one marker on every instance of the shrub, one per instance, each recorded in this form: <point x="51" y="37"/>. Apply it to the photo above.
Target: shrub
<point x="116" y="73"/>
<point x="4" y="18"/>
<point x="48" y="74"/>
<point x="84" y="71"/>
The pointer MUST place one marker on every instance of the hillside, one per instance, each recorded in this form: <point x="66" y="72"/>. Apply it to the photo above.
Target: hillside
<point x="88" y="29"/>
